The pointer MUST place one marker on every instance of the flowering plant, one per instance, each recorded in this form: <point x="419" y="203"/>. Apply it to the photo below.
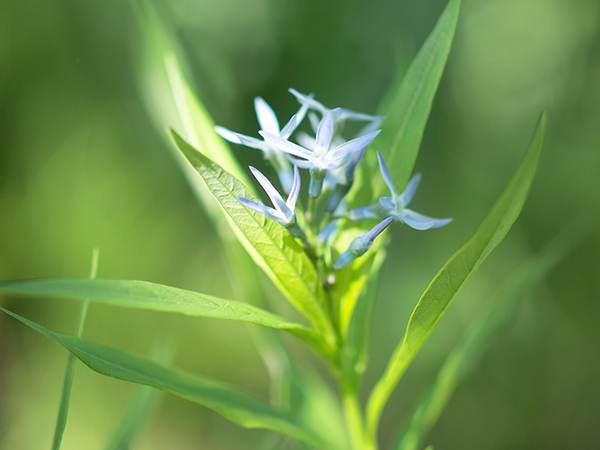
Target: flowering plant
<point x="321" y="255"/>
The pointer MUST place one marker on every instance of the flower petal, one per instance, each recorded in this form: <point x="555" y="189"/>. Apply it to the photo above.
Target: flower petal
<point x="352" y="146"/>
<point x="363" y="213"/>
<point x="385" y="173"/>
<point x="303" y="164"/>
<point x="266" y="116"/>
<point x="286" y="146"/>
<point x="308" y="99"/>
<point x="419" y="221"/>
<point x="387" y="203"/>
<point x="293" y="197"/>
<point x="275" y="197"/>
<point x="305" y="140"/>
<point x="410" y="189"/>
<point x="251" y="142"/>
<point x="325" y="131"/>
<point x="228" y="135"/>
<point x="289" y="127"/>
<point x="314" y="121"/>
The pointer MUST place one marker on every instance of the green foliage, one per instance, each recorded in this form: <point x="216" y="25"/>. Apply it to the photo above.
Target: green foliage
<point x="482" y="332"/>
<point x="230" y="403"/>
<point x="287" y="264"/>
<point x="452" y="277"/>
<point x="149" y="296"/>
<point x="407" y="109"/>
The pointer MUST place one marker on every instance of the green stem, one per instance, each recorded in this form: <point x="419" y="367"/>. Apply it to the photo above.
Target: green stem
<point x="354" y="420"/>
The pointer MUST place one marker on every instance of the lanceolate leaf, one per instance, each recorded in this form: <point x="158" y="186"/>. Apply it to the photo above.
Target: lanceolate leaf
<point x="230" y="403"/>
<point x="407" y="109"/>
<point x="482" y="332"/>
<point x="454" y="274"/>
<point x="150" y="296"/>
<point x="282" y="257"/>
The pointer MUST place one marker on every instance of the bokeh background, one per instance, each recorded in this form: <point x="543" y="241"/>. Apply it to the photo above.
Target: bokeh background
<point x="82" y="164"/>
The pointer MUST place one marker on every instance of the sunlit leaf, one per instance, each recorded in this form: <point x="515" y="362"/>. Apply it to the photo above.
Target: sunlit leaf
<point x="283" y="259"/>
<point x="407" y="110"/>
<point x="483" y="331"/>
<point x="230" y="403"/>
<point x="149" y="296"/>
<point x="451" y="278"/>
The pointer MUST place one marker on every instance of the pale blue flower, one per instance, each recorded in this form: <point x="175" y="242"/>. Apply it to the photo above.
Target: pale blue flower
<point x="360" y="245"/>
<point x="340" y="114"/>
<point x="284" y="212"/>
<point x="322" y="158"/>
<point x="268" y="122"/>
<point x="396" y="205"/>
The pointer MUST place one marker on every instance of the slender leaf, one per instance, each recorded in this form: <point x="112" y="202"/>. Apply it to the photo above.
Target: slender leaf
<point x="61" y="421"/>
<point x="407" y="110"/>
<point x="484" y="330"/>
<point x="230" y="403"/>
<point x="149" y="296"/>
<point x="283" y="259"/>
<point x="355" y="357"/>
<point x="130" y="425"/>
<point x="453" y="275"/>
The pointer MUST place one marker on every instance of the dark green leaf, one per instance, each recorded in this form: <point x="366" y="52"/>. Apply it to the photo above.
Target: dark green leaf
<point x="451" y="278"/>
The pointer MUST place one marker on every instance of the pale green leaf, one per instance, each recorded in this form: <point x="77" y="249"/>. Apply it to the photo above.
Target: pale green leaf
<point x="407" y="110"/>
<point x="282" y="258"/>
<point x="230" y="403"/>
<point x="149" y="296"/>
<point x="454" y="274"/>
<point x="483" y="331"/>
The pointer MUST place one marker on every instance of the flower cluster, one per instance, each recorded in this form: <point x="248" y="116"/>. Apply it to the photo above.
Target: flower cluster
<point x="331" y="160"/>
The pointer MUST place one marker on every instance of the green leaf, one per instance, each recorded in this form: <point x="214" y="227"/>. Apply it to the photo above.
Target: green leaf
<point x="282" y="258"/>
<point x="197" y="123"/>
<point x="149" y="296"/>
<point x="451" y="278"/>
<point x="230" y="403"/>
<point x="356" y="339"/>
<point x="130" y="425"/>
<point x="407" y="111"/>
<point x="484" y="330"/>
<point x="63" y="411"/>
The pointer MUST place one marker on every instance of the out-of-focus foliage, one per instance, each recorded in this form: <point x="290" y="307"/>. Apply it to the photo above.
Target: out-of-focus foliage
<point x="81" y="165"/>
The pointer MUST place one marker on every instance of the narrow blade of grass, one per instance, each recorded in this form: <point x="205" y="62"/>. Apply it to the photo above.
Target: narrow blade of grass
<point x="63" y="411"/>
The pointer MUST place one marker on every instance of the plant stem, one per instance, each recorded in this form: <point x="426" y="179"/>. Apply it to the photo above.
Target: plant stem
<point x="354" y="420"/>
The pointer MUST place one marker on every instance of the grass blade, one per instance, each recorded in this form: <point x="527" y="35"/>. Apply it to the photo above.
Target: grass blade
<point x="453" y="275"/>
<point x="63" y="411"/>
<point x="230" y="403"/>
<point x="282" y="258"/>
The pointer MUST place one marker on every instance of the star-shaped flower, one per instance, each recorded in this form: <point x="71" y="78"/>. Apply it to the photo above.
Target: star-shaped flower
<point x="396" y="205"/>
<point x="340" y="115"/>
<point x="268" y="122"/>
<point x="322" y="158"/>
<point x="283" y="211"/>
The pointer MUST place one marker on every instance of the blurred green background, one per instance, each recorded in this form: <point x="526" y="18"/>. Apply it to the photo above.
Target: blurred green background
<point x="83" y="165"/>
